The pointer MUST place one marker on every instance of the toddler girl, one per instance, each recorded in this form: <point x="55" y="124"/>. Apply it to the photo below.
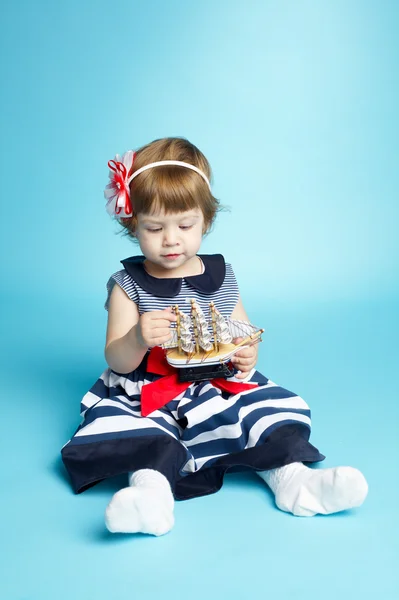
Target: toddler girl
<point x="177" y="440"/>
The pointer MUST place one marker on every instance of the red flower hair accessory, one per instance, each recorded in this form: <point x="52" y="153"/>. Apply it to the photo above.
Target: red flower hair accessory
<point x="117" y="192"/>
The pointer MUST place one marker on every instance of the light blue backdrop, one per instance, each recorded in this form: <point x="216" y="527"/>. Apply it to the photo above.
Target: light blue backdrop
<point x="295" y="105"/>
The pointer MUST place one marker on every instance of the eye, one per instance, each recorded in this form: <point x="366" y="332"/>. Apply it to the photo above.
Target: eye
<point x="184" y="227"/>
<point x="154" y="230"/>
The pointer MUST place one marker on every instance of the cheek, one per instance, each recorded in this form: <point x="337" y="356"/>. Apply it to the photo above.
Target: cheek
<point x="146" y="238"/>
<point x="199" y="236"/>
<point x="196" y="235"/>
<point x="145" y="241"/>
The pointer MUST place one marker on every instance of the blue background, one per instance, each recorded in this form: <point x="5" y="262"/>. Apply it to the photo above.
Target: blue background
<point x="295" y="105"/>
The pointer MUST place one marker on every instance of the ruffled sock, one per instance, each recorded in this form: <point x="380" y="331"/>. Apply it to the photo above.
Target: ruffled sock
<point x="146" y="506"/>
<point x="306" y="492"/>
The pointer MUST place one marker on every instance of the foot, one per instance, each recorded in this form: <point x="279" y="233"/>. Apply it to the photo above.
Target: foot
<point x="321" y="491"/>
<point x="141" y="508"/>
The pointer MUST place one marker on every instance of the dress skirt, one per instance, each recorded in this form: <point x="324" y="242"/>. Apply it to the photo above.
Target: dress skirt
<point x="193" y="440"/>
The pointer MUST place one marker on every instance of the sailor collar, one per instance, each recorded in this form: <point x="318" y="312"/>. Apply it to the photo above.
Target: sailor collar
<point x="207" y="282"/>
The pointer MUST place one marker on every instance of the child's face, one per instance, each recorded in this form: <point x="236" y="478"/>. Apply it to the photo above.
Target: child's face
<point x="170" y="240"/>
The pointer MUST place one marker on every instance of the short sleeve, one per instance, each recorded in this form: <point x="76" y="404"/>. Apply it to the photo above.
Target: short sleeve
<point x="230" y="276"/>
<point x="123" y="279"/>
<point x="232" y="283"/>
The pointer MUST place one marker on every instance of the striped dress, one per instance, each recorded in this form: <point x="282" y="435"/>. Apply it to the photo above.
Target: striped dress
<point x="201" y="433"/>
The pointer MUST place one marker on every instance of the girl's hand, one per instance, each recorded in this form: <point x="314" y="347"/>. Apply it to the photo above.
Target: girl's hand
<point x="153" y="328"/>
<point x="244" y="360"/>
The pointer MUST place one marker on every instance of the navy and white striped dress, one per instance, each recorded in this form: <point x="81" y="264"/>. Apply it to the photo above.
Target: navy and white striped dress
<point x="199" y="435"/>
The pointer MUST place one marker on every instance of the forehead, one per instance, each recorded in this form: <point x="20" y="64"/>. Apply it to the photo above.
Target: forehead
<point x="160" y="216"/>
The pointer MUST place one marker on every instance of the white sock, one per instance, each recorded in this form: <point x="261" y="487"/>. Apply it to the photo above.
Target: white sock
<point x="306" y="492"/>
<point x="146" y="506"/>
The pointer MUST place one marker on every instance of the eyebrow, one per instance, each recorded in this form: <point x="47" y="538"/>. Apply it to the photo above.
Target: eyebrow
<point x="153" y="221"/>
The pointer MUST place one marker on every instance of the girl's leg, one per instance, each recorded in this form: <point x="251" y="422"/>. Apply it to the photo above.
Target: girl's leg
<point x="306" y="492"/>
<point x="146" y="506"/>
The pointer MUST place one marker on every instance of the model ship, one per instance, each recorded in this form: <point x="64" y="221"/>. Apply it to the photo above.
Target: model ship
<point x="201" y="348"/>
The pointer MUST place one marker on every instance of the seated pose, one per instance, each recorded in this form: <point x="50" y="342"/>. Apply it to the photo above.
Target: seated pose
<point x="176" y="439"/>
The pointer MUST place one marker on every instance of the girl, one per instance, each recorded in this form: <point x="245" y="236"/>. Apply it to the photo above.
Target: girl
<point x="177" y="440"/>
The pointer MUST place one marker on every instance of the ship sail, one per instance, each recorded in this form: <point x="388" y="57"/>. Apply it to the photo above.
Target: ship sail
<point x="204" y="335"/>
<point x="173" y="342"/>
<point x="194" y="333"/>
<point x="239" y="328"/>
<point x="223" y="332"/>
<point x="186" y="335"/>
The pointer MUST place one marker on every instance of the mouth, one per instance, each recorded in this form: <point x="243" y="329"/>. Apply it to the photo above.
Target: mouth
<point x="171" y="256"/>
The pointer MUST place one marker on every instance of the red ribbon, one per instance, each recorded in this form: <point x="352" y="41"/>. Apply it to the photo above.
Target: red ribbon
<point x="119" y="181"/>
<point x="158" y="393"/>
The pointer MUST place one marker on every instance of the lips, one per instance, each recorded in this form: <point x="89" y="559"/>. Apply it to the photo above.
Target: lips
<point x="171" y="255"/>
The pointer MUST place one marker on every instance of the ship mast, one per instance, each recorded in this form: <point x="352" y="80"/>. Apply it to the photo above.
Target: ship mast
<point x="177" y="313"/>
<point x="195" y="327"/>
<point x="215" y="337"/>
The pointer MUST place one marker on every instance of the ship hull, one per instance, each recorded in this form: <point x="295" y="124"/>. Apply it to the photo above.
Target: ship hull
<point x="223" y="355"/>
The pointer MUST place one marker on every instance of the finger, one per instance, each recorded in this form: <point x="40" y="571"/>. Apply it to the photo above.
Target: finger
<point x="158" y="324"/>
<point x="237" y="340"/>
<point x="170" y="311"/>
<point x="243" y="363"/>
<point x="168" y="316"/>
<point x="160" y="338"/>
<point x="163" y="314"/>
<point x="161" y="323"/>
<point x="242" y="374"/>
<point x="246" y="353"/>
<point x="159" y="332"/>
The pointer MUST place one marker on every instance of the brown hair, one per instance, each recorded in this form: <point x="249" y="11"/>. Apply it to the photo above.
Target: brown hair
<point x="170" y="188"/>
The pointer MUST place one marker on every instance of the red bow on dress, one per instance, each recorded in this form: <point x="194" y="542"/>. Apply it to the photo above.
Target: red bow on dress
<point x="158" y="393"/>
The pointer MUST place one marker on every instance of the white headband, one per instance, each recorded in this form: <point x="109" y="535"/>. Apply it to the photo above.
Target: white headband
<point x="117" y="192"/>
<point x="170" y="162"/>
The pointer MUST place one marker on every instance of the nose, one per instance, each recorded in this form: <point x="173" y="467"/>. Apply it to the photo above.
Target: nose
<point x="170" y="237"/>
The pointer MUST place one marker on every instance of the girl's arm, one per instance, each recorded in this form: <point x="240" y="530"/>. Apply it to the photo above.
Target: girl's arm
<point x="123" y="349"/>
<point x="239" y="312"/>
<point x="130" y="335"/>
<point x="246" y="359"/>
